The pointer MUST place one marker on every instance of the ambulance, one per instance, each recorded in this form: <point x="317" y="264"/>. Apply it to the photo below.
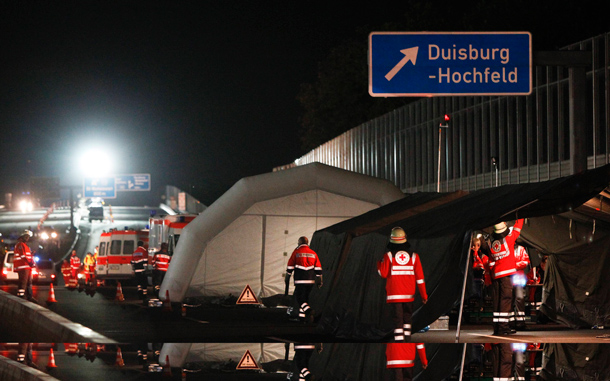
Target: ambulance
<point x="114" y="253"/>
<point x="167" y="229"/>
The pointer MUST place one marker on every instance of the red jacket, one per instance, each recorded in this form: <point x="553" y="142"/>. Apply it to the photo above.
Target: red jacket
<point x="503" y="253"/>
<point x="305" y="264"/>
<point x="23" y="257"/>
<point x="522" y="259"/>
<point x="403" y="272"/>
<point x="74" y="262"/>
<point x="402" y="355"/>
<point x="139" y="259"/>
<point x="161" y="261"/>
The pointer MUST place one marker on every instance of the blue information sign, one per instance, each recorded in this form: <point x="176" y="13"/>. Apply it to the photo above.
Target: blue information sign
<point x="451" y="63"/>
<point x="133" y="182"/>
<point x="103" y="187"/>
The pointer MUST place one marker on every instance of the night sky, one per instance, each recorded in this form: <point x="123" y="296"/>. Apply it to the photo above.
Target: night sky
<point x="199" y="94"/>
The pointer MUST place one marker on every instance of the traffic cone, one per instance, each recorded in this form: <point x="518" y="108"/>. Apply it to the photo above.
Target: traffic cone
<point x="119" y="293"/>
<point x="183" y="376"/>
<point x="51" y="362"/>
<point x="167" y="369"/>
<point x="51" y="298"/>
<point x="119" y="357"/>
<point x="183" y="311"/>
<point x="167" y="305"/>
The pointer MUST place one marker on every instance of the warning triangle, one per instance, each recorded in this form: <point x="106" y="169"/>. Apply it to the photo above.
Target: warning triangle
<point x="247" y="362"/>
<point x="247" y="297"/>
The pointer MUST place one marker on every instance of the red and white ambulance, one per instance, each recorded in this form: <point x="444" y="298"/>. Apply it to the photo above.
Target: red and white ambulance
<point x="114" y="253"/>
<point x="167" y="229"/>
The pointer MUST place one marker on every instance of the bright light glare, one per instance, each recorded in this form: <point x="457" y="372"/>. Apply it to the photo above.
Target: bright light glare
<point x="26" y="206"/>
<point x="44" y="236"/>
<point x="96" y="163"/>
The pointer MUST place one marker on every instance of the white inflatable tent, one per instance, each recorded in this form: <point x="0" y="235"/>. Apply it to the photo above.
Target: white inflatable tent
<point x="181" y="353"/>
<point x="247" y="235"/>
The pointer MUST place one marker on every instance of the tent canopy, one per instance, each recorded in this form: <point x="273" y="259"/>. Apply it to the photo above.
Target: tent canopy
<point x="439" y="227"/>
<point x="247" y="235"/>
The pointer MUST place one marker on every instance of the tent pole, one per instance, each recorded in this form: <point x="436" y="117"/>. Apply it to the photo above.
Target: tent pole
<point x="463" y="359"/>
<point x="459" y="324"/>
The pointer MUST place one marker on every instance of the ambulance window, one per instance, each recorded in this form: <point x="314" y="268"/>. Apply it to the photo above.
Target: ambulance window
<point x="115" y="247"/>
<point x="102" y="249"/>
<point x="128" y="247"/>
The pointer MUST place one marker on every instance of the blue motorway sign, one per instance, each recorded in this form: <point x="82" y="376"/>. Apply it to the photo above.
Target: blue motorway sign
<point x="103" y="187"/>
<point x="451" y="63"/>
<point x="133" y="182"/>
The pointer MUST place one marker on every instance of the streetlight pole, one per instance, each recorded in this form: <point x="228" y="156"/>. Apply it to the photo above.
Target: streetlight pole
<point x="444" y="124"/>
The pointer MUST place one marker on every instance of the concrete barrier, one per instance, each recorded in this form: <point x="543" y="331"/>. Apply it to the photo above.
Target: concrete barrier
<point x="12" y="370"/>
<point x="30" y="322"/>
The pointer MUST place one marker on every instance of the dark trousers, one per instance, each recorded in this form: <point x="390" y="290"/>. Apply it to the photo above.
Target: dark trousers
<point x="157" y="279"/>
<point x="400" y="374"/>
<point x="502" y="360"/>
<point x="402" y="316"/>
<point x="503" y="304"/>
<point x="142" y="281"/>
<point x="301" y="362"/>
<point x="301" y="296"/>
<point x="519" y="306"/>
<point x="25" y="283"/>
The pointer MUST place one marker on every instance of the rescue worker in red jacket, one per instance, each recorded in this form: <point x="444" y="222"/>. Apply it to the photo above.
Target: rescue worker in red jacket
<point x="66" y="271"/>
<point x="74" y="269"/>
<point x="305" y="264"/>
<point x="139" y="261"/>
<point x="480" y="267"/>
<point x="522" y="261"/>
<point x="503" y="265"/>
<point x="400" y="358"/>
<point x="74" y="265"/>
<point x="403" y="271"/>
<point x="160" y="264"/>
<point x="23" y="263"/>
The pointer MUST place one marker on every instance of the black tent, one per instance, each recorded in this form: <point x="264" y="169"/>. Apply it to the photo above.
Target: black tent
<point x="352" y="304"/>
<point x="367" y="361"/>
<point x="569" y="362"/>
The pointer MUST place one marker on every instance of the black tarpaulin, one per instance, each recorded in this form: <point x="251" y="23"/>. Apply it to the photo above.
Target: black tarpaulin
<point x="352" y="304"/>
<point x="367" y="361"/>
<point x="571" y="362"/>
<point x="576" y="287"/>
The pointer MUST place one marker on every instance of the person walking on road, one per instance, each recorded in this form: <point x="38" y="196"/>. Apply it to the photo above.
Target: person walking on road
<point x="305" y="264"/>
<point x="139" y="261"/>
<point x="404" y="275"/>
<point x="24" y="263"/>
<point x="160" y="264"/>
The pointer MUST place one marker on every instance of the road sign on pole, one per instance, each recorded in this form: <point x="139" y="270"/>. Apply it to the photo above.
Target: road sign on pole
<point x="103" y="187"/>
<point x="450" y="63"/>
<point x="133" y="182"/>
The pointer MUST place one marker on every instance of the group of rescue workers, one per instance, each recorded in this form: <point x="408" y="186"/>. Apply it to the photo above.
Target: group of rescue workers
<point x="502" y="265"/>
<point x="400" y="266"/>
<point x="160" y="263"/>
<point x="404" y="275"/>
<point x="72" y="268"/>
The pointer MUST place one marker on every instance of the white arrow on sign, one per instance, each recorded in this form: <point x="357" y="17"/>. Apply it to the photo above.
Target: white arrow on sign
<point x="410" y="55"/>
